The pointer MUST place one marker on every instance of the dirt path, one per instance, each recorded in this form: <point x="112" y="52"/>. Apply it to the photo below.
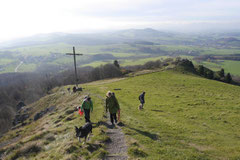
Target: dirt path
<point x="117" y="147"/>
<point x="16" y="69"/>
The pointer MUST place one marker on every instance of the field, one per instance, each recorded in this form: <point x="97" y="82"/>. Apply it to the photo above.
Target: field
<point x="130" y="47"/>
<point x="125" y="58"/>
<point x="232" y="67"/>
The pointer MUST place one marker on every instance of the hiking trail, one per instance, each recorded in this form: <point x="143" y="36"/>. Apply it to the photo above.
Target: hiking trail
<point x="117" y="147"/>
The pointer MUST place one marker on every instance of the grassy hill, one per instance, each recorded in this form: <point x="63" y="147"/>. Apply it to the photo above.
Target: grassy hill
<point x="185" y="117"/>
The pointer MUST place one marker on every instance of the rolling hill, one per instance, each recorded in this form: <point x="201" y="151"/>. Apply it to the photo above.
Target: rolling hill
<point x="32" y="54"/>
<point x="185" y="117"/>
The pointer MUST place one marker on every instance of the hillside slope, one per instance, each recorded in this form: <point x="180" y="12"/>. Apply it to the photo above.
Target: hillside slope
<point x="185" y="117"/>
<point x="52" y="136"/>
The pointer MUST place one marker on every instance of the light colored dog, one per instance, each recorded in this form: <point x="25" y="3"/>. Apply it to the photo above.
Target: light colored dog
<point x="140" y="107"/>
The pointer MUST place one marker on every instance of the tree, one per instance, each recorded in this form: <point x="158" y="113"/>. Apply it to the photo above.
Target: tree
<point x="116" y="64"/>
<point x="221" y="73"/>
<point x="210" y="74"/>
<point x="228" y="78"/>
<point x="201" y="70"/>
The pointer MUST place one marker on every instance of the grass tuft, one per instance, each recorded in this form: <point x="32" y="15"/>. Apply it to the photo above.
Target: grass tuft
<point x="28" y="151"/>
<point x="71" y="149"/>
<point x="71" y="111"/>
<point x="100" y="154"/>
<point x="38" y="136"/>
<point x="136" y="152"/>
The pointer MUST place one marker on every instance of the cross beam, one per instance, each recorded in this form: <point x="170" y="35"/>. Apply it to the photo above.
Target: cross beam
<point x="74" y="58"/>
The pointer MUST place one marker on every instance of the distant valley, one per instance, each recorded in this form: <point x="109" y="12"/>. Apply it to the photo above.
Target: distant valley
<point x="46" y="53"/>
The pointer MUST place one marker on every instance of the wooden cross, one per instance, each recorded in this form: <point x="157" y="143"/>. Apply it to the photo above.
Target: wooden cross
<point x="74" y="58"/>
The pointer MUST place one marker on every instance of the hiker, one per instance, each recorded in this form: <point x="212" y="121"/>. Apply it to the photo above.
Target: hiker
<point x="87" y="105"/>
<point x="113" y="106"/>
<point x="141" y="99"/>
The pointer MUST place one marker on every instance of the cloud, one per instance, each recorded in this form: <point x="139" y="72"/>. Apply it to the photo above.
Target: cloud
<point x="26" y="17"/>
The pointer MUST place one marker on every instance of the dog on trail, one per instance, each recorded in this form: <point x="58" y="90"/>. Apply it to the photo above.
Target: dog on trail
<point x="84" y="131"/>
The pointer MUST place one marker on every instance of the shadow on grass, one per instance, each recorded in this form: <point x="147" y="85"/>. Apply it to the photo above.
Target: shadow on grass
<point x="93" y="147"/>
<point x="155" y="110"/>
<point x="103" y="123"/>
<point x="145" y="133"/>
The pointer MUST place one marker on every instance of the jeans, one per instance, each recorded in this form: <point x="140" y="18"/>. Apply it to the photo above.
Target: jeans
<point x="113" y="116"/>
<point x="87" y="115"/>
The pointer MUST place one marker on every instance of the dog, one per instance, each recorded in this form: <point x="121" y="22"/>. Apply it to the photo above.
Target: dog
<point x="140" y="107"/>
<point x="84" y="131"/>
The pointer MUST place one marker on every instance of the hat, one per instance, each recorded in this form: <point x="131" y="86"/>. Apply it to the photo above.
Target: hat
<point x="109" y="93"/>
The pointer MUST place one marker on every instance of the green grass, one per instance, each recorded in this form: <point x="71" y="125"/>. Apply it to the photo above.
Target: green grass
<point x="179" y="47"/>
<point x="220" y="51"/>
<point x="54" y="134"/>
<point x="232" y="67"/>
<point x="95" y="64"/>
<point x="44" y="50"/>
<point x="64" y="60"/>
<point x="122" y="51"/>
<point x="27" y="67"/>
<point x="124" y="55"/>
<point x="185" y="117"/>
<point x="211" y="65"/>
<point x="140" y="61"/>
<point x="10" y="68"/>
<point x="202" y="50"/>
<point x="5" y="61"/>
<point x="229" y="66"/>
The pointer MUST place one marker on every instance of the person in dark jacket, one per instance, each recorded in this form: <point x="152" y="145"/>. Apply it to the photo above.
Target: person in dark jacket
<point x="141" y="99"/>
<point x="87" y="106"/>
<point x="113" y="106"/>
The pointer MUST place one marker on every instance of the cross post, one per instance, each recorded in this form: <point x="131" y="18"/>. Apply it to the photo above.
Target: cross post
<point x="74" y="58"/>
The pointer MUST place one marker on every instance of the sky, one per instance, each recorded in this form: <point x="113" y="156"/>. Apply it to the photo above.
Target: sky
<point x="20" y="18"/>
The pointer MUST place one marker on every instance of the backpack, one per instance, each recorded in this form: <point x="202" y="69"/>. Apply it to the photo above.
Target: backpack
<point x="80" y="111"/>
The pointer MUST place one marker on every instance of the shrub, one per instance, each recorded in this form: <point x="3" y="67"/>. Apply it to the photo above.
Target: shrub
<point x="228" y="78"/>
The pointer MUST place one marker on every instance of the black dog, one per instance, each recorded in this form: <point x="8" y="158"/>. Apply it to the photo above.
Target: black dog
<point x="83" y="131"/>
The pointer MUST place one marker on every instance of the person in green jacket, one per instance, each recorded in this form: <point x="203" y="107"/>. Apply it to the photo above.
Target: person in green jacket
<point x="87" y="105"/>
<point x="112" y="105"/>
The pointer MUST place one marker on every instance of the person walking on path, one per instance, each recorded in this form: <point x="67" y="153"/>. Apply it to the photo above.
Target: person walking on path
<point x="87" y="106"/>
<point x="141" y="99"/>
<point x="113" y="106"/>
